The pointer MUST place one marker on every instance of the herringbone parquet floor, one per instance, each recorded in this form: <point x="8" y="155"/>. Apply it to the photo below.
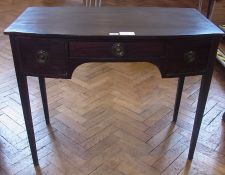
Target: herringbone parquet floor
<point x="110" y="118"/>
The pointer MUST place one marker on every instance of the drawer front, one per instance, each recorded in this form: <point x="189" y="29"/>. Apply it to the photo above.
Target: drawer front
<point x="132" y="49"/>
<point x="42" y="56"/>
<point x="187" y="56"/>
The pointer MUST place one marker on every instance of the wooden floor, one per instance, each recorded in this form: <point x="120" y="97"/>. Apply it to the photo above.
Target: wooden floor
<point x="110" y="119"/>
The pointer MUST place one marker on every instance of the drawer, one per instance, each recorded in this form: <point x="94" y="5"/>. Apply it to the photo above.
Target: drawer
<point x="110" y="49"/>
<point x="42" y="56"/>
<point x="187" y="56"/>
<point x="177" y="49"/>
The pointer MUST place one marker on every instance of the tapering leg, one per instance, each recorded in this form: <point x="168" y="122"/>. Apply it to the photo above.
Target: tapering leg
<point x="178" y="97"/>
<point x="44" y="99"/>
<point x="24" y="95"/>
<point x="203" y="94"/>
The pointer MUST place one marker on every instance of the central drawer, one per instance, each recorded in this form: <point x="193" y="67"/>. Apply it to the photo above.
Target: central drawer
<point x="111" y="49"/>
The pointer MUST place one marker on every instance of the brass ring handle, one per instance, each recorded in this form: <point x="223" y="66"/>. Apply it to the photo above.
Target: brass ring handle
<point x="42" y="56"/>
<point x="118" y="49"/>
<point x="190" y="57"/>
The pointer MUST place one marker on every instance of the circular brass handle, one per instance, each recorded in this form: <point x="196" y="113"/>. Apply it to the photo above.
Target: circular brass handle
<point x="42" y="56"/>
<point x="118" y="49"/>
<point x="189" y="57"/>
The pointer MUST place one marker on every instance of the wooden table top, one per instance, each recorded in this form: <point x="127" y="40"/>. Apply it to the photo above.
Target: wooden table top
<point x="82" y="21"/>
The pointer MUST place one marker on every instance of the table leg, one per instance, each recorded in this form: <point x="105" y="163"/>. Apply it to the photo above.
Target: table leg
<point x="203" y="94"/>
<point x="178" y="97"/>
<point x="44" y="98"/>
<point x="25" y="102"/>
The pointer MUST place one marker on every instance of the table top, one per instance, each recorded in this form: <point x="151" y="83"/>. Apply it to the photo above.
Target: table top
<point x="83" y="21"/>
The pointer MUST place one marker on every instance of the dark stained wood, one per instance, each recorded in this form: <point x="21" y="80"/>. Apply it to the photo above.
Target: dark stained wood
<point x="44" y="99"/>
<point x="131" y="49"/>
<point x="49" y="47"/>
<point x="203" y="94"/>
<point x="143" y="21"/>
<point x="25" y="102"/>
<point x="61" y="62"/>
<point x="96" y="79"/>
<point x="56" y="58"/>
<point x="178" y="97"/>
<point x="177" y="49"/>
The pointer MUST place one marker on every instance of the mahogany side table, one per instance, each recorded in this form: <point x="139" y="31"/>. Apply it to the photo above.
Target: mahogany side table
<point x="52" y="41"/>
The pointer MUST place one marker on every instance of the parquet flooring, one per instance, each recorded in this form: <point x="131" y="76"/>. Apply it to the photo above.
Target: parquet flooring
<point x="110" y="118"/>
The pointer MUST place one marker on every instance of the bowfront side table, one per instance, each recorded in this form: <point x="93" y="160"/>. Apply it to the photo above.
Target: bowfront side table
<point x="52" y="41"/>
